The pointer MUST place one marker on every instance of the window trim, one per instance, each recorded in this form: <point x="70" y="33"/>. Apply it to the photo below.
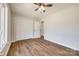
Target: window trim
<point x="4" y="19"/>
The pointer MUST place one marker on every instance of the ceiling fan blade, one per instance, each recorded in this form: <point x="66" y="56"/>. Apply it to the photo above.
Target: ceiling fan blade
<point x="44" y="4"/>
<point x="39" y="4"/>
<point x="36" y="9"/>
<point x="48" y="5"/>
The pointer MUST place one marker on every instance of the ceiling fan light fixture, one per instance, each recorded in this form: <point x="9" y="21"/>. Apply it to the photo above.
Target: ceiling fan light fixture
<point x="42" y="6"/>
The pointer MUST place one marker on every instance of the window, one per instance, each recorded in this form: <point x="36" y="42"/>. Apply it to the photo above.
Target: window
<point x="3" y="19"/>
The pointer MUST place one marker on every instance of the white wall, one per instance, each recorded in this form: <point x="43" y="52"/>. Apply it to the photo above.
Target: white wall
<point x="62" y="27"/>
<point x="9" y="25"/>
<point x="22" y="27"/>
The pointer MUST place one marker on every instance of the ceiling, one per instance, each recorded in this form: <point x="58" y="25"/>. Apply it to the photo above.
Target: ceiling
<point x="27" y="9"/>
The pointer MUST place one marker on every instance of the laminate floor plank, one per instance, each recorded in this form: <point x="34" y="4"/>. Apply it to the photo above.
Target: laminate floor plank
<point x="38" y="47"/>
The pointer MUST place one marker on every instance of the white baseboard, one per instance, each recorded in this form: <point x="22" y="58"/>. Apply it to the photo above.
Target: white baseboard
<point x="63" y="45"/>
<point x="5" y="50"/>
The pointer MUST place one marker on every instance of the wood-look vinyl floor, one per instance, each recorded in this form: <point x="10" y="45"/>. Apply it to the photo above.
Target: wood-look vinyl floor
<point x="38" y="47"/>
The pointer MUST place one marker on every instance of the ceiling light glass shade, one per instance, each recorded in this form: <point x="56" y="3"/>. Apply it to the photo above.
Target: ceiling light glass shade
<point x="41" y="8"/>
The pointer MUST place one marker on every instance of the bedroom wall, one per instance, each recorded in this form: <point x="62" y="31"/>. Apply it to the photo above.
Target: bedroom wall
<point x="62" y="27"/>
<point x="23" y="28"/>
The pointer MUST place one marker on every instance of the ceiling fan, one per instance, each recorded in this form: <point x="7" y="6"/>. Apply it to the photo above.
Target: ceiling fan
<point x="41" y="6"/>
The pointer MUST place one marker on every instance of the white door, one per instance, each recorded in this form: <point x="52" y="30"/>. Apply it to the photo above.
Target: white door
<point x="36" y="29"/>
